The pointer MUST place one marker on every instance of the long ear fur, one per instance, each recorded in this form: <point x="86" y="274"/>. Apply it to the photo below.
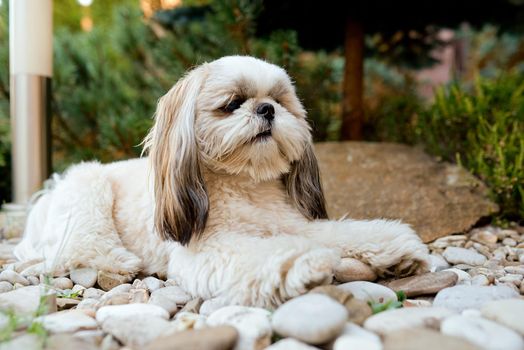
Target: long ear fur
<point x="181" y="200"/>
<point x="304" y="187"/>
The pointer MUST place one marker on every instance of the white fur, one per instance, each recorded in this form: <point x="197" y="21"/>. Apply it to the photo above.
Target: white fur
<point x="257" y="248"/>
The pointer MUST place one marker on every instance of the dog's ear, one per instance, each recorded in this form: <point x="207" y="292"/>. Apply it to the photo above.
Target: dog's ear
<point x="303" y="185"/>
<point x="181" y="200"/>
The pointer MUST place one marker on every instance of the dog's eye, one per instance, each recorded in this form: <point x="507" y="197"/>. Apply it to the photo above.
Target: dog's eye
<point x="233" y="105"/>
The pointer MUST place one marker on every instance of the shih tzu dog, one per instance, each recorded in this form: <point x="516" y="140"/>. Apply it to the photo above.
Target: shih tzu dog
<point x="229" y="202"/>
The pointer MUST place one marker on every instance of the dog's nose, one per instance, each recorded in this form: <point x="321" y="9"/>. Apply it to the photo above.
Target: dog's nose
<point x="266" y="110"/>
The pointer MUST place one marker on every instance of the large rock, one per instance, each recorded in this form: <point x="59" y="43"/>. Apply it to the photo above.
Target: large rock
<point x="384" y="180"/>
<point x="429" y="283"/>
<point x="311" y="318"/>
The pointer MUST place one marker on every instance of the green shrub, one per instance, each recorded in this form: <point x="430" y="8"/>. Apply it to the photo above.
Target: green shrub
<point x="106" y="82"/>
<point x="482" y="129"/>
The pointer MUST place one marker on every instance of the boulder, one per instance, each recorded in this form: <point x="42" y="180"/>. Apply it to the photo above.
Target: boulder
<point x="384" y="180"/>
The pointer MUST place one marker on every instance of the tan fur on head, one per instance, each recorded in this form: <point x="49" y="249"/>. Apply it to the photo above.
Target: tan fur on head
<point x="196" y="131"/>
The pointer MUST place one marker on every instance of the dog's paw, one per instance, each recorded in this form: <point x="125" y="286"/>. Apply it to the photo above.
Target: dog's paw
<point x="400" y="252"/>
<point x="309" y="270"/>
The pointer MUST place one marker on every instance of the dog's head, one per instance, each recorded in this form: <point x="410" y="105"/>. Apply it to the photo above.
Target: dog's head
<point x="235" y="115"/>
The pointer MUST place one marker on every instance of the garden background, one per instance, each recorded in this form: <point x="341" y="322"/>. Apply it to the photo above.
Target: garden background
<point x="456" y="89"/>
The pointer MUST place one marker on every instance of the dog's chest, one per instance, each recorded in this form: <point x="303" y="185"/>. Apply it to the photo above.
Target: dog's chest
<point x="263" y="209"/>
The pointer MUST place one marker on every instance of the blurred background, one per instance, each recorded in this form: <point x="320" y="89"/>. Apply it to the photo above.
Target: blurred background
<point x="445" y="75"/>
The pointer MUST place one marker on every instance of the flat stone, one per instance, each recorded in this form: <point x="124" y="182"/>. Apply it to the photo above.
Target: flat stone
<point x="25" y="342"/>
<point x="448" y="199"/>
<point x="62" y="283"/>
<point x="416" y="303"/>
<point x="193" y="306"/>
<point x="67" y="321"/>
<point x="138" y="296"/>
<point x="406" y="318"/>
<point x="136" y="331"/>
<point x="417" y="339"/>
<point x="153" y="283"/>
<point x="437" y="263"/>
<point x="66" y="303"/>
<point x="107" y="280"/>
<point x="89" y="304"/>
<point x="138" y="284"/>
<point x="33" y="280"/>
<point x="116" y="299"/>
<point x="519" y="269"/>
<point x="214" y="338"/>
<point x="93" y="293"/>
<point x="463" y="277"/>
<point x="483" y="333"/>
<point x="85" y="277"/>
<point x="188" y="320"/>
<point x="358" y="310"/>
<point x="449" y="241"/>
<point x="353" y="270"/>
<point x="511" y="278"/>
<point x="169" y="298"/>
<point x="253" y="325"/>
<point x="429" y="283"/>
<point x="13" y="277"/>
<point x="120" y="289"/>
<point x="367" y="291"/>
<point x="480" y="280"/>
<point x="509" y="312"/>
<point x="210" y="306"/>
<point x="5" y="286"/>
<point x="460" y="298"/>
<point x="130" y="311"/>
<point x="23" y="300"/>
<point x="289" y="344"/>
<point x="348" y="342"/>
<point x="456" y="255"/>
<point x="355" y="337"/>
<point x="69" y="342"/>
<point x="311" y="318"/>
<point x="77" y="288"/>
<point x="90" y="336"/>
<point x="484" y="237"/>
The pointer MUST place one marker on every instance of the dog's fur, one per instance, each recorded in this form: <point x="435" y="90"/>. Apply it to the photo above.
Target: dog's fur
<point x="225" y="213"/>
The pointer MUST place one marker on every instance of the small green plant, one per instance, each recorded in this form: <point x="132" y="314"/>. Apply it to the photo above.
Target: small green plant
<point x="13" y="322"/>
<point x="389" y="305"/>
<point x="68" y="294"/>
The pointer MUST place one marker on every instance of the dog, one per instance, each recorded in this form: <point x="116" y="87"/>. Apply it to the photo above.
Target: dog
<point x="228" y="203"/>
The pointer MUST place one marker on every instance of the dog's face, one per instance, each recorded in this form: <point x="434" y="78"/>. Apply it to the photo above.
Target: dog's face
<point x="235" y="115"/>
<point x="249" y="119"/>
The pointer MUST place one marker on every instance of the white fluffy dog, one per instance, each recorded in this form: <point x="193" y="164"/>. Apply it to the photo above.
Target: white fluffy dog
<point x="229" y="202"/>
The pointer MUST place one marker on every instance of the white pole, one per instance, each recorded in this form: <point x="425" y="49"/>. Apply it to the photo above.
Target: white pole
<point x="30" y="55"/>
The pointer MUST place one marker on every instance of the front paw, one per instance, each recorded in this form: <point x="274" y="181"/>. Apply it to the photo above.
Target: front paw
<point x="308" y="271"/>
<point x="398" y="251"/>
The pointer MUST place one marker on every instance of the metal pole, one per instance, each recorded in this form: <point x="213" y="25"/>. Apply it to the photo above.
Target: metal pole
<point x="30" y="54"/>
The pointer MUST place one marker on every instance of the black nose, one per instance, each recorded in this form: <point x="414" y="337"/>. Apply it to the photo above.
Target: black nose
<point x="266" y="110"/>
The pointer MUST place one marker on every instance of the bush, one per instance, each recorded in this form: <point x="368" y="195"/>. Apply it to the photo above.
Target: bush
<point x="482" y="129"/>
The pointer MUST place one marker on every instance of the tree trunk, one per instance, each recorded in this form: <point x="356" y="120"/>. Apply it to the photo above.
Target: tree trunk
<point x="352" y="99"/>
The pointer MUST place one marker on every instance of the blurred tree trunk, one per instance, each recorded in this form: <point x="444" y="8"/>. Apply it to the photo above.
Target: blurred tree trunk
<point x="352" y="99"/>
